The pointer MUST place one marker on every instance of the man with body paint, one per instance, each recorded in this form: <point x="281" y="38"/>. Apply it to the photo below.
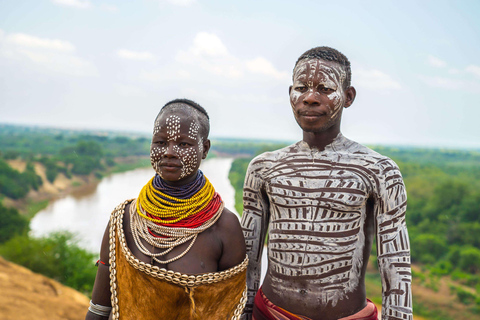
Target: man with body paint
<point x="322" y="201"/>
<point x="174" y="252"/>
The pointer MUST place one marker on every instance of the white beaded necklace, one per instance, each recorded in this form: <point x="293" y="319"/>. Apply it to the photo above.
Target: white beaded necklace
<point x="173" y="236"/>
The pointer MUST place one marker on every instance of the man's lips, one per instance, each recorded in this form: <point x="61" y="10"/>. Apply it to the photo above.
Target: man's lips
<point x="309" y="115"/>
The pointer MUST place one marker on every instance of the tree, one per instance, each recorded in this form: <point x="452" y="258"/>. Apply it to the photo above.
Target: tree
<point x="12" y="223"/>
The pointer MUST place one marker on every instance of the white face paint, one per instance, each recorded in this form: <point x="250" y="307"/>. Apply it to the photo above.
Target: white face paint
<point x="317" y="95"/>
<point x="177" y="146"/>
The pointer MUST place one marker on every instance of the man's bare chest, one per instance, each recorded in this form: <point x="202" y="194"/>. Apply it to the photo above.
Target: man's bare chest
<point x="317" y="191"/>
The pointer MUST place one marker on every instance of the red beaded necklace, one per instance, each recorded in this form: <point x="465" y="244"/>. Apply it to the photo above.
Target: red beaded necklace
<point x="195" y="220"/>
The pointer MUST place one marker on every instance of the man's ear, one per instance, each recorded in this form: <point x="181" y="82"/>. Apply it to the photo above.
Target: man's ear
<point x="206" y="147"/>
<point x="350" y="95"/>
<point x="290" y="90"/>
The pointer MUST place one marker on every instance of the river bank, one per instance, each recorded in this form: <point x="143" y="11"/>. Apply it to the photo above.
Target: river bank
<point x="37" y="200"/>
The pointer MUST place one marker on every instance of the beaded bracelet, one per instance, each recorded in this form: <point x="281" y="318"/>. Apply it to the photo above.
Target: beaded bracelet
<point x="99" y="309"/>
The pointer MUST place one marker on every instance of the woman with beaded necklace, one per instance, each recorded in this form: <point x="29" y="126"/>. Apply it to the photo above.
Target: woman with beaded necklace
<point x="174" y="252"/>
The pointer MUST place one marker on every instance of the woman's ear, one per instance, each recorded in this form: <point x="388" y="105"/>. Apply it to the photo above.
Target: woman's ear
<point x="206" y="148"/>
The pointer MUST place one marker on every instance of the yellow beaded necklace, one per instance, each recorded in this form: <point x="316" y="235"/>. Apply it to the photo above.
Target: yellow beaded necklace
<point x="153" y="201"/>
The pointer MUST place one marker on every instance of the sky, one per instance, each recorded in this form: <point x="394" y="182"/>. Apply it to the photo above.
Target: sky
<point x="111" y="65"/>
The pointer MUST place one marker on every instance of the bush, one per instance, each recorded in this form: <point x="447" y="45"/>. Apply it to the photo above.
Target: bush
<point x="469" y="259"/>
<point x="12" y="223"/>
<point x="428" y="248"/>
<point x="465" y="296"/>
<point x="56" y="256"/>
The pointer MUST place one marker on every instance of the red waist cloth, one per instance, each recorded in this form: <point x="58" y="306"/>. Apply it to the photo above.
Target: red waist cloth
<point x="264" y="309"/>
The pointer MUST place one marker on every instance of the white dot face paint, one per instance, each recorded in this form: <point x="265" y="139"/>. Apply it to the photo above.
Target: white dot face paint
<point x="177" y="146"/>
<point x="317" y="95"/>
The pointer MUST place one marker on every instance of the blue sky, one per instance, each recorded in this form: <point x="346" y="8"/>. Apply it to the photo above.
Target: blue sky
<point x="112" y="65"/>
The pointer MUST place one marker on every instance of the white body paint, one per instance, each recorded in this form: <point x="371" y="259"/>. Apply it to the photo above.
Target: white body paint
<point x="314" y="204"/>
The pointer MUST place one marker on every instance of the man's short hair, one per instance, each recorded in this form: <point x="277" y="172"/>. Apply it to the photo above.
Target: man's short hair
<point x="189" y="105"/>
<point x="329" y="54"/>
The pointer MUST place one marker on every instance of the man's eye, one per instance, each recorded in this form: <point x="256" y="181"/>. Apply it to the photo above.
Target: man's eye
<point x="301" y="88"/>
<point x="160" y="143"/>
<point x="326" y="89"/>
<point x="184" y="144"/>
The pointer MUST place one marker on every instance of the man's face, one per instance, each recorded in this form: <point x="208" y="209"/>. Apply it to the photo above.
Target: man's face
<point x="177" y="146"/>
<point x="317" y="95"/>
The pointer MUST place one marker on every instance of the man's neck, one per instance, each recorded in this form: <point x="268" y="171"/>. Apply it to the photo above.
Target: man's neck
<point x="320" y="140"/>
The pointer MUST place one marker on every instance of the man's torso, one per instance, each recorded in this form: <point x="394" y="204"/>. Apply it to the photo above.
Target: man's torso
<point x="321" y="225"/>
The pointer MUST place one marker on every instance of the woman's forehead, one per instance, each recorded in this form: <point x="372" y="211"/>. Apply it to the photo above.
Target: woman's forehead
<point x="176" y="123"/>
<point x="176" y="117"/>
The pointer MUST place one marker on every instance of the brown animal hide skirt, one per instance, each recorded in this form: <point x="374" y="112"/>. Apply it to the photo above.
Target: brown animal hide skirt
<point x="142" y="291"/>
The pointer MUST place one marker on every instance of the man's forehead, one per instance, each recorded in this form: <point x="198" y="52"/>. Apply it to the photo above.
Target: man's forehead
<point x="310" y="66"/>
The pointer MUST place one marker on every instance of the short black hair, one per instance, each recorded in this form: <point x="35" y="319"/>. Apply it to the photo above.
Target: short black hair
<point x="202" y="115"/>
<point x="329" y="54"/>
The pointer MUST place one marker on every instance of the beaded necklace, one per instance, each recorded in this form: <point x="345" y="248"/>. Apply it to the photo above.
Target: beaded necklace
<point x="164" y="208"/>
<point x="166" y="221"/>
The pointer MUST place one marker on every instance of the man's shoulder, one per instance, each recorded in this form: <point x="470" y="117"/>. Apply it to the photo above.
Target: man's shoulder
<point x="274" y="156"/>
<point x="362" y="153"/>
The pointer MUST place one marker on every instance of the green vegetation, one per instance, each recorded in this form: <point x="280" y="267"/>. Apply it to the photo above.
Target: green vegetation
<point x="34" y="207"/>
<point x="29" y="142"/>
<point x="244" y="148"/>
<point x="62" y="151"/>
<point x="57" y="256"/>
<point x="16" y="185"/>
<point x="237" y="177"/>
<point x="12" y="224"/>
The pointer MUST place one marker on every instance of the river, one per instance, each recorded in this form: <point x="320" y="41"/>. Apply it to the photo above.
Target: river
<point x="86" y="213"/>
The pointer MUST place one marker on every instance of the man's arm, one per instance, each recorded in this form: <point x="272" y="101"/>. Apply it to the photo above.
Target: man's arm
<point x="255" y="220"/>
<point x="393" y="249"/>
<point x="101" y="288"/>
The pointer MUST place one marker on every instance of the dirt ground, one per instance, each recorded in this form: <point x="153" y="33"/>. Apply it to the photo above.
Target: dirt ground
<point x="25" y="295"/>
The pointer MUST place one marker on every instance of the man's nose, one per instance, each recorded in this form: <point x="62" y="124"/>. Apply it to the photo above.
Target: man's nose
<point x="311" y="98"/>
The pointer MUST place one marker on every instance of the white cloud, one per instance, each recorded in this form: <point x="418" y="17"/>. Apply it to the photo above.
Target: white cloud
<point x="164" y="75"/>
<point x="209" y="53"/>
<point x="44" y="54"/>
<point x="108" y="7"/>
<point x="441" y="82"/>
<point x="374" y="79"/>
<point x="135" y="55"/>
<point x="208" y="44"/>
<point x="451" y="83"/>
<point x="453" y="71"/>
<point x="473" y="69"/>
<point x="436" y="62"/>
<point x="182" y="3"/>
<point x="127" y="90"/>
<point x="81" y="4"/>
<point x="261" y="65"/>
<point x="25" y="40"/>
